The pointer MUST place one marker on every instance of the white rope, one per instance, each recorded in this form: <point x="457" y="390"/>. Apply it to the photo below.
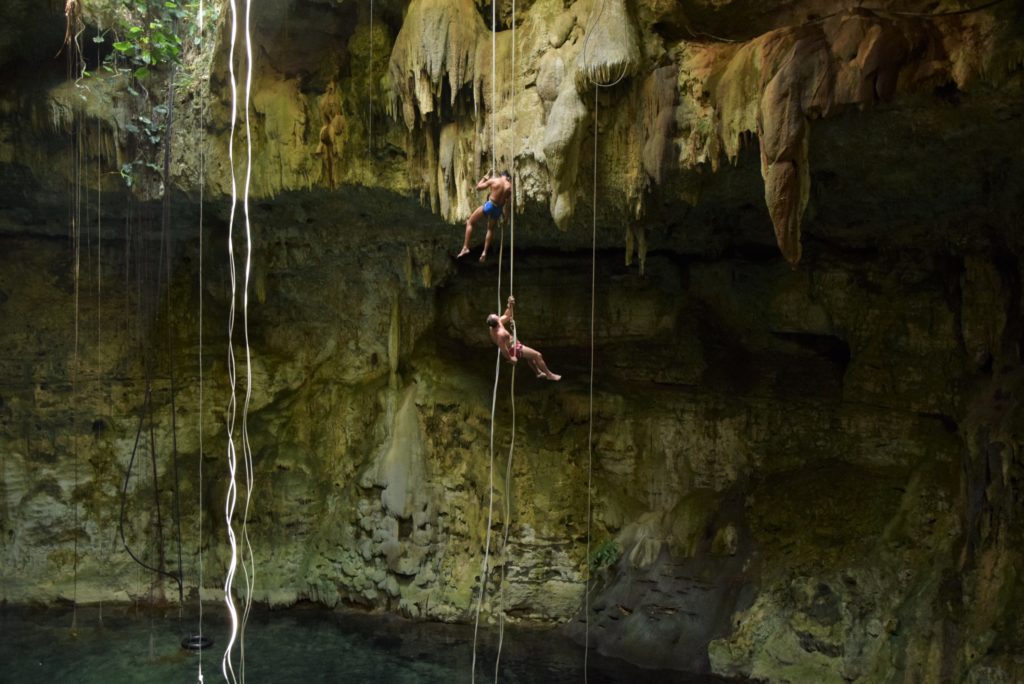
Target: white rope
<point x="227" y="667"/>
<point x="508" y="517"/>
<point x="99" y="250"/>
<point x="590" y="428"/>
<point x="593" y="291"/>
<point x="512" y="381"/>
<point x="497" y="362"/>
<point x="202" y="187"/>
<point x="248" y="560"/>
<point x="490" y="512"/>
<point x="490" y="471"/>
<point x="512" y="199"/>
<point x="494" y="91"/>
<point x="369" y="77"/>
<point x="75" y="67"/>
<point x="77" y="241"/>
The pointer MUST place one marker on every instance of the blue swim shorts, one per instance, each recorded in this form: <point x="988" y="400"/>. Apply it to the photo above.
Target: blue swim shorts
<point x="492" y="210"/>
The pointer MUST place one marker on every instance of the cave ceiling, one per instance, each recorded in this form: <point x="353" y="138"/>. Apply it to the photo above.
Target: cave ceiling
<point x="913" y="162"/>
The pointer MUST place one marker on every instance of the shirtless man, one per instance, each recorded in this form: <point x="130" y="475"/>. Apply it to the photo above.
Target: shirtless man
<point x="494" y="209"/>
<point x="503" y="338"/>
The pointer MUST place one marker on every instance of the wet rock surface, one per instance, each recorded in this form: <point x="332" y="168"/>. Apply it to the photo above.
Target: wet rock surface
<point x="799" y="474"/>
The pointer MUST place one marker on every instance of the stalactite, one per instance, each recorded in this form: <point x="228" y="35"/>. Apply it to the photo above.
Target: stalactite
<point x="562" y="138"/>
<point x="437" y="42"/>
<point x="611" y="47"/>
<point x="779" y="82"/>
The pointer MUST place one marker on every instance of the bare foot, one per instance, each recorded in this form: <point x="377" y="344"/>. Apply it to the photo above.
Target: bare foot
<point x="553" y="377"/>
<point x="541" y="375"/>
<point x="483" y="257"/>
<point x="464" y="252"/>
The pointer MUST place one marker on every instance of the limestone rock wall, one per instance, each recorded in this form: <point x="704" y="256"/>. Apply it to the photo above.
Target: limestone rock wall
<point x="800" y="474"/>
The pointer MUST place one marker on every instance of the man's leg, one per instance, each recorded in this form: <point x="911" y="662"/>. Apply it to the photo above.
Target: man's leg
<point x="487" y="240"/>
<point x="473" y="218"/>
<point x="536" y="361"/>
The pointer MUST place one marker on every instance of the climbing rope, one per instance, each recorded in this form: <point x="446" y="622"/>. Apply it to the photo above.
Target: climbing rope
<point x="497" y="364"/>
<point x="590" y="405"/>
<point x="874" y="10"/>
<point x="512" y="381"/>
<point x="146" y="320"/>
<point x="202" y="187"/>
<point x="165" y="228"/>
<point x="75" y="69"/>
<point x="248" y="560"/>
<point x="490" y="513"/>
<point x="494" y="88"/>
<point x="369" y="89"/>
<point x="75" y="368"/>
<point x="231" y="497"/>
<point x="593" y="297"/>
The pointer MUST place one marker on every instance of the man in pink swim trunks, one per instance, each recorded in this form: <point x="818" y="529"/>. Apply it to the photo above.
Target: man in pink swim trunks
<point x="503" y="338"/>
<point x="494" y="209"/>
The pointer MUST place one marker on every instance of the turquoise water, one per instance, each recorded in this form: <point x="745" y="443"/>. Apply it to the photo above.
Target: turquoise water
<point x="297" y="645"/>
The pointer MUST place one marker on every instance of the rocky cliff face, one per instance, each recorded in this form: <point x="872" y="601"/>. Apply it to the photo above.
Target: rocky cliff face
<point x="806" y="460"/>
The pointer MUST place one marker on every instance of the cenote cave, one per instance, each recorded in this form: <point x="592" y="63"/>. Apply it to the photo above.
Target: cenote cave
<point x="731" y="397"/>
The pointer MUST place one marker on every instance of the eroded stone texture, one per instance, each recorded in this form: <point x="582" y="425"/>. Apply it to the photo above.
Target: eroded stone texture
<point x="807" y="474"/>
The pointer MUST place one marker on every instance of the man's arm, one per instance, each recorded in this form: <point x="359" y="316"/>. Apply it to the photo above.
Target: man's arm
<point x="485" y="182"/>
<point x="508" y="315"/>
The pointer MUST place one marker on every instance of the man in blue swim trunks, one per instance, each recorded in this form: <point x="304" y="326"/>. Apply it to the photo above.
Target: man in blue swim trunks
<point x="495" y="208"/>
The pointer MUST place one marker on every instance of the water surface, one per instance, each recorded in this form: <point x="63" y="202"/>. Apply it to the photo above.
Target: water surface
<point x="295" y="645"/>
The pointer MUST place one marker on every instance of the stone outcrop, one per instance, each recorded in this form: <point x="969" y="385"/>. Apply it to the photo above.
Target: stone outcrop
<point x="806" y="465"/>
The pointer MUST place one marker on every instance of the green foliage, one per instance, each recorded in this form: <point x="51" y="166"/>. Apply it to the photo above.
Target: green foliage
<point x="148" y="36"/>
<point x="604" y="556"/>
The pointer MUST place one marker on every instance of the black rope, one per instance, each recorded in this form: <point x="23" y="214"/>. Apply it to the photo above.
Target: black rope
<point x="156" y="480"/>
<point x="124" y="493"/>
<point x="165" y="230"/>
<point x="162" y="260"/>
<point x="874" y="10"/>
<point x="948" y="13"/>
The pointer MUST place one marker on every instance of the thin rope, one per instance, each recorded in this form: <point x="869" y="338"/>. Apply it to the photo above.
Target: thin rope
<point x="248" y="560"/>
<point x="497" y="362"/>
<point x="593" y="285"/>
<point x="202" y="182"/>
<point x="146" y="308"/>
<point x="369" y="88"/>
<point x="77" y="239"/>
<point x="512" y="199"/>
<point x="79" y="61"/>
<point x="874" y="10"/>
<point x="490" y="512"/>
<point x="928" y="15"/>
<point x="508" y="518"/>
<point x="512" y="381"/>
<point x="99" y="249"/>
<point x="75" y="68"/>
<point x="150" y="373"/>
<point x="231" y="496"/>
<point x="202" y="185"/>
<point x="171" y="346"/>
<point x="494" y="90"/>
<point x="590" y="428"/>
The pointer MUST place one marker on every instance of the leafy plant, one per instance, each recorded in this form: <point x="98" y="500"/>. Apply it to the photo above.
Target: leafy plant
<point x="604" y="556"/>
<point x="148" y="35"/>
<point x="148" y="41"/>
